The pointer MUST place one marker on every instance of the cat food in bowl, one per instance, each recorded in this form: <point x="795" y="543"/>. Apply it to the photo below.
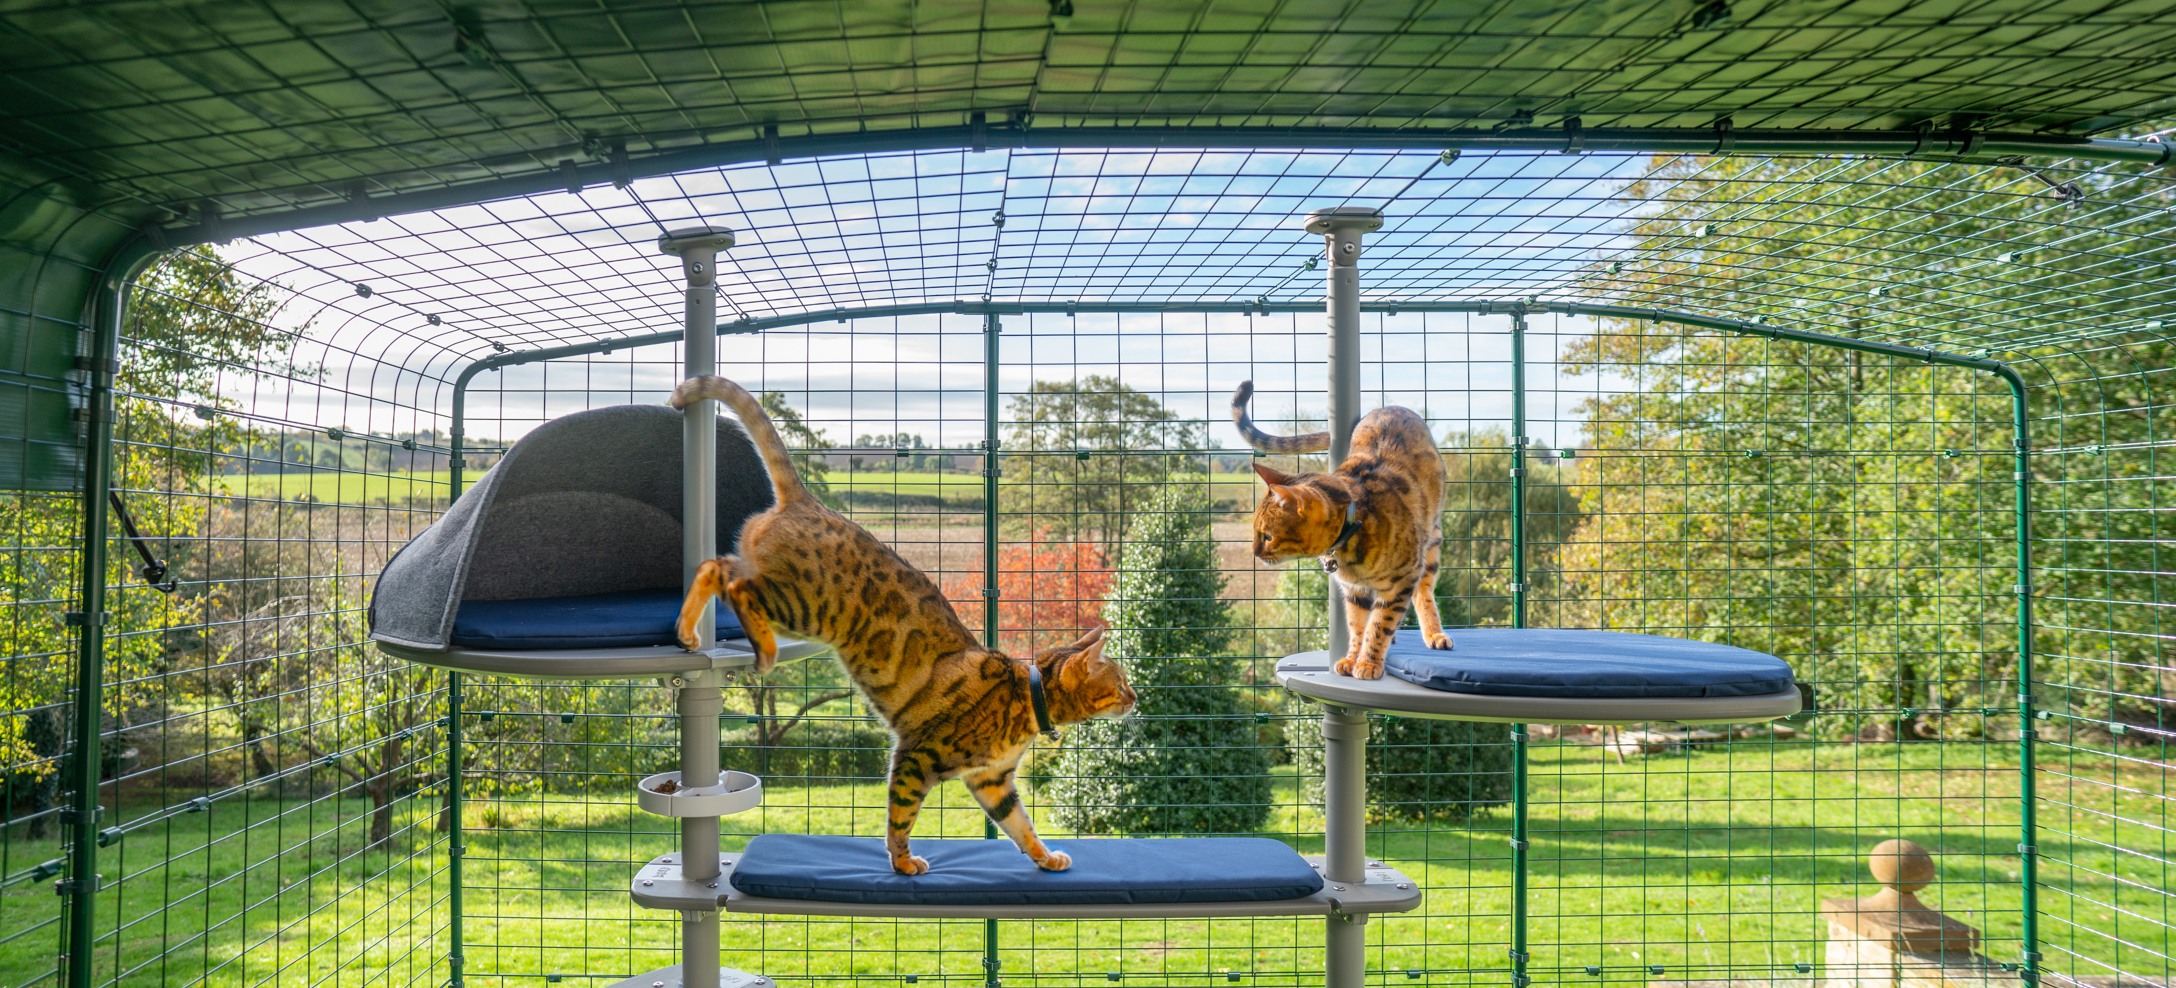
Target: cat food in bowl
<point x="665" y="794"/>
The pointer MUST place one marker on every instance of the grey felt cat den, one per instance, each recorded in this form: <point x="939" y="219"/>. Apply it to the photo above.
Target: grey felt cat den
<point x="586" y="504"/>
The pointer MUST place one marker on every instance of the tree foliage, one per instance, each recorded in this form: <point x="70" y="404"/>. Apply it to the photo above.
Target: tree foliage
<point x="1852" y="513"/>
<point x="1127" y="436"/>
<point x="1187" y="761"/>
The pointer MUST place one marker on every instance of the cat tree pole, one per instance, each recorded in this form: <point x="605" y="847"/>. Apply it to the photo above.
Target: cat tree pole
<point x="1344" y="730"/>
<point x="700" y="700"/>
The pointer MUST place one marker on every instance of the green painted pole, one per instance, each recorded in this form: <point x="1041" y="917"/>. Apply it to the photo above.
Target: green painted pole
<point x="80" y="888"/>
<point x="1519" y="953"/>
<point x="990" y="330"/>
<point x="2028" y="850"/>
<point x="455" y="961"/>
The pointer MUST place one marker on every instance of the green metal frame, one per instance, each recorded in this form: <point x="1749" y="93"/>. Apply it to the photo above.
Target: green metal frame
<point x="1518" y="311"/>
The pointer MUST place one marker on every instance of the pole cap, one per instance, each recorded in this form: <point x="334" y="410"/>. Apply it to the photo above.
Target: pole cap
<point x="1363" y="219"/>
<point x="680" y="241"/>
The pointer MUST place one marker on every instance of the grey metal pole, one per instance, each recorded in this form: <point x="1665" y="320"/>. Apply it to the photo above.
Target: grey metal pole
<point x="1344" y="732"/>
<point x="700" y="700"/>
<point x="1341" y="229"/>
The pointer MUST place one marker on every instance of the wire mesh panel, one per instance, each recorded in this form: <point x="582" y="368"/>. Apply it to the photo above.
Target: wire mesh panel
<point x="276" y="790"/>
<point x="263" y="811"/>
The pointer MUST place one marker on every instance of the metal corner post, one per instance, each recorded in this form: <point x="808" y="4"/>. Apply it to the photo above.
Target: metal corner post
<point x="2028" y="820"/>
<point x="1519" y="736"/>
<point x="80" y="887"/>
<point x="700" y="698"/>
<point x="991" y="327"/>
<point x="455" y="959"/>
<point x="1344" y="732"/>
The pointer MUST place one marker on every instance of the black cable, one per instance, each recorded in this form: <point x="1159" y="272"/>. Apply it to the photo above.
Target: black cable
<point x="154" y="571"/>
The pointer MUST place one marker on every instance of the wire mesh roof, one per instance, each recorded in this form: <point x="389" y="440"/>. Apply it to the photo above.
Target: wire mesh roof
<point x="132" y="106"/>
<point x="1964" y="257"/>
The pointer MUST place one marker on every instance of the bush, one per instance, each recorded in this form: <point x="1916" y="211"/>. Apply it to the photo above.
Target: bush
<point x="1188" y="760"/>
<point x="1418" y="768"/>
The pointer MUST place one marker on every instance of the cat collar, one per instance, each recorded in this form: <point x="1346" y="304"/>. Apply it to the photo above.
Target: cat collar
<point x="1042" y="703"/>
<point x="1352" y="525"/>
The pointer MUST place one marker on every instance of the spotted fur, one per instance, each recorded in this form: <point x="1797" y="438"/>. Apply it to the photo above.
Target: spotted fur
<point x="956" y="709"/>
<point x="1393" y="479"/>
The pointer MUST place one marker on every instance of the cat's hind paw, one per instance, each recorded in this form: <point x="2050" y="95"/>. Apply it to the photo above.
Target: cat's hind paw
<point x="912" y="864"/>
<point x="1055" y="861"/>
<point x="1439" y="641"/>
<point x="1344" y="666"/>
<point x="1367" y="670"/>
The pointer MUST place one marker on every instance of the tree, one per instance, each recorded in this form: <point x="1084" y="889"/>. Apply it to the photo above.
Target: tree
<point x="1851" y="512"/>
<point x="1049" y="592"/>
<point x="1418" y="768"/>
<point x="798" y="435"/>
<point x="1187" y="761"/>
<point x="909" y="443"/>
<point x="1084" y="453"/>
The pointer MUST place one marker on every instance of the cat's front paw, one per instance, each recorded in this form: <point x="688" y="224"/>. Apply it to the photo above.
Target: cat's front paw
<point x="1344" y="666"/>
<point x="1055" y="861"/>
<point x="912" y="864"/>
<point x="1440" y="641"/>
<point x="1367" y="670"/>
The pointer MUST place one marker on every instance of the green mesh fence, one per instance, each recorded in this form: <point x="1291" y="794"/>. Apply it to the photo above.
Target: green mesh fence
<point x="275" y="790"/>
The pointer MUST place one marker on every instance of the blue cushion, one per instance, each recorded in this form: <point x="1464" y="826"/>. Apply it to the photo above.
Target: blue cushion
<point x="625" y="619"/>
<point x="1584" y="665"/>
<point x="995" y="873"/>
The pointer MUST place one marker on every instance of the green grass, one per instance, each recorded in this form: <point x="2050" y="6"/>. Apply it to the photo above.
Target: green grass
<point x="346" y="487"/>
<point x="1710" y="864"/>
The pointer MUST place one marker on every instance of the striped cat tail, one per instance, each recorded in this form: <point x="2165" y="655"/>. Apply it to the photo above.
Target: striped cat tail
<point x="784" y="481"/>
<point x="1313" y="442"/>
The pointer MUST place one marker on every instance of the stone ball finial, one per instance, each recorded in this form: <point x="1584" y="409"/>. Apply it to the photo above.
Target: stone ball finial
<point x="1901" y="865"/>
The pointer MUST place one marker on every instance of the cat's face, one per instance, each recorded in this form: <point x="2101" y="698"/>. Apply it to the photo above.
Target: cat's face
<point x="1291" y="522"/>
<point x="1094" y="685"/>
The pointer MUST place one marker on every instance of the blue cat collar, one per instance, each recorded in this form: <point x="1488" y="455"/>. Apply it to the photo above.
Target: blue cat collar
<point x="1041" y="702"/>
<point x="1352" y="526"/>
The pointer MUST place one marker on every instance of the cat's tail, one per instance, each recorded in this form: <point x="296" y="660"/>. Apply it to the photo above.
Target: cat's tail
<point x="784" y="481"/>
<point x="1313" y="442"/>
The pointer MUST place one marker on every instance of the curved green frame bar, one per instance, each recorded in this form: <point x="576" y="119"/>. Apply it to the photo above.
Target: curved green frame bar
<point x="992" y="313"/>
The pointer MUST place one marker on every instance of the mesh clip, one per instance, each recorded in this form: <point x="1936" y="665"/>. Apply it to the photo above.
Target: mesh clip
<point x="990" y="592"/>
<point x="78" y="886"/>
<point x="1518" y="845"/>
<point x="2028" y="848"/>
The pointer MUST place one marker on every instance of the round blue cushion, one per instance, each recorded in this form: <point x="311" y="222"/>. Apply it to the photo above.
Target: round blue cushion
<point x="624" y="619"/>
<point x="1583" y="665"/>
<point x="994" y="873"/>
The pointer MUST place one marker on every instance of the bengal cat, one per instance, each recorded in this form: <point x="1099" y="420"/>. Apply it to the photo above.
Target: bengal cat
<point x="955" y="708"/>
<point x="1376" y="521"/>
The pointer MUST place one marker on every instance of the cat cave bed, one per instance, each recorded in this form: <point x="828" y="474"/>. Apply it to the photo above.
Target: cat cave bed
<point x="1554" y="676"/>
<point x="1111" y="878"/>
<point x="564" y="560"/>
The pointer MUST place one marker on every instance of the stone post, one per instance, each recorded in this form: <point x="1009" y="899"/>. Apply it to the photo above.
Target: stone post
<point x="1892" y="940"/>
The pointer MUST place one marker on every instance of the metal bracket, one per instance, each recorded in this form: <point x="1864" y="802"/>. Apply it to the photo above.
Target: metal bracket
<point x="78" y="886"/>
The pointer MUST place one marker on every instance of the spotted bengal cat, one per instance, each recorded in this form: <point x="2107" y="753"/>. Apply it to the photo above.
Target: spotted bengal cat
<point x="1376" y="521"/>
<point x="955" y="708"/>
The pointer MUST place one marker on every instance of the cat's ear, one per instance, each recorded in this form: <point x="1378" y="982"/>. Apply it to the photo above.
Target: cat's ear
<point x="1286" y="496"/>
<point x="1272" y="476"/>
<point x="1087" y="655"/>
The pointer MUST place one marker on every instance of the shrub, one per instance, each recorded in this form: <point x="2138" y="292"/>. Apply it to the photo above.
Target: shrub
<point x="1418" y="768"/>
<point x="1188" y="760"/>
<point x="1049" y="593"/>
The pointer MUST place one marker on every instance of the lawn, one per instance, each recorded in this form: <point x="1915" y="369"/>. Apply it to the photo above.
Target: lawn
<point x="1708" y="865"/>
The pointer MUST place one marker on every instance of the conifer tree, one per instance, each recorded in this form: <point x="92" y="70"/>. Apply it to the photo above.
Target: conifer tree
<point x="1187" y="761"/>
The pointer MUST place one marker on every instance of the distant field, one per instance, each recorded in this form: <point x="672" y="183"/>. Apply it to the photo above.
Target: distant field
<point x="352" y="487"/>
<point x="330" y="487"/>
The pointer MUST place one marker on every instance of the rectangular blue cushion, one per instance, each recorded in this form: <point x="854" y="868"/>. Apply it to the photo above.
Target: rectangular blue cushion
<point x="627" y="619"/>
<point x="1568" y="664"/>
<point x="995" y="873"/>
